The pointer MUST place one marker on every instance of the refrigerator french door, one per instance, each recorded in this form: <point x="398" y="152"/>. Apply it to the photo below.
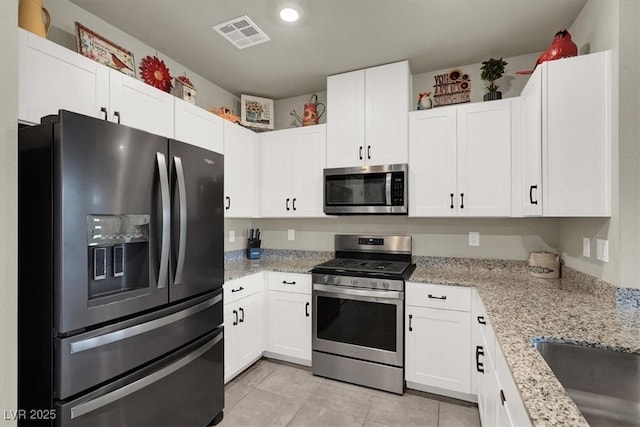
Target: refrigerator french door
<point x="116" y="248"/>
<point x="120" y="271"/>
<point x="197" y="249"/>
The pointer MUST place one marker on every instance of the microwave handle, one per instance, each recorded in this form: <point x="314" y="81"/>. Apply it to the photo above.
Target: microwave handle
<point x="388" y="189"/>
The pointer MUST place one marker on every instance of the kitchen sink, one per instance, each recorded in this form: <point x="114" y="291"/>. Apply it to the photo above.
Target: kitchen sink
<point x="604" y="384"/>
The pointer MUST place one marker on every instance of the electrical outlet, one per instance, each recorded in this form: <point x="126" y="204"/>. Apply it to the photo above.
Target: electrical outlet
<point x="232" y="236"/>
<point x="474" y="238"/>
<point x="291" y="234"/>
<point x="586" y="247"/>
<point x="602" y="249"/>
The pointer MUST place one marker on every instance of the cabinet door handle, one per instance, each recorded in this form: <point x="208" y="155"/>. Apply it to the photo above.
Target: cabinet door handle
<point x="228" y="203"/>
<point x="461" y="200"/>
<point x="451" y="195"/>
<point x="360" y="152"/>
<point x="288" y="204"/>
<point x="479" y="364"/>
<point x="481" y="320"/>
<point x="502" y="398"/>
<point x="294" y="204"/>
<point x="284" y="282"/>
<point x="117" y="114"/>
<point x="235" y="313"/>
<point x="106" y="112"/>
<point x="432" y="297"/>
<point x="410" y="327"/>
<point x="306" y="309"/>
<point x="533" y="202"/>
<point x="237" y="290"/>
<point x="242" y="311"/>
<point x="369" y="152"/>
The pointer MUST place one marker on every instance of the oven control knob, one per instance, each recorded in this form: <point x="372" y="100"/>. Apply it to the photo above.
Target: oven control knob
<point x="385" y="285"/>
<point x="325" y="279"/>
<point x="374" y="283"/>
<point x="335" y="280"/>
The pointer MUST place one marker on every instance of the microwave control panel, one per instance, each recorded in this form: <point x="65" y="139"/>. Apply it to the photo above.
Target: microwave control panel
<point x="397" y="189"/>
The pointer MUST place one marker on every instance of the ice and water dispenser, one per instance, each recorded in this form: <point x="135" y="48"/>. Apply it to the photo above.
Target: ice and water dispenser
<point x="118" y="248"/>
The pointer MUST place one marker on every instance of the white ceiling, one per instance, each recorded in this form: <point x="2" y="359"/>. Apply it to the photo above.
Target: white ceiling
<point x="334" y="36"/>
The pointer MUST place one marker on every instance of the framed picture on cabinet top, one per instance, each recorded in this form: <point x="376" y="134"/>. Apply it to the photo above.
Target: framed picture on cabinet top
<point x="256" y="112"/>
<point x="96" y="47"/>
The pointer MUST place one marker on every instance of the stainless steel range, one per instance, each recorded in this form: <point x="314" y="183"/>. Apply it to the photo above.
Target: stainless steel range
<point x="358" y="311"/>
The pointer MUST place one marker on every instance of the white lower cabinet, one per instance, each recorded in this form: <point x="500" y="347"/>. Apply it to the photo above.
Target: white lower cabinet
<point x="438" y="339"/>
<point x="289" y="306"/>
<point x="499" y="401"/>
<point x="244" y="326"/>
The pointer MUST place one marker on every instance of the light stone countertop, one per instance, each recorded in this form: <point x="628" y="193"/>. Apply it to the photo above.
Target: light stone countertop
<point x="520" y="308"/>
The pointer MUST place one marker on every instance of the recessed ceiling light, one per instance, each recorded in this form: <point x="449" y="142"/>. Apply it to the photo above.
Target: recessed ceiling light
<point x="289" y="14"/>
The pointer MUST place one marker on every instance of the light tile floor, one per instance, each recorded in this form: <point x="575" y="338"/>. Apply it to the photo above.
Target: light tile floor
<point x="273" y="393"/>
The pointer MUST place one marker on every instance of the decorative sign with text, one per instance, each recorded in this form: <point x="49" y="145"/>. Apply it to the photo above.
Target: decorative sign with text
<point x="453" y="87"/>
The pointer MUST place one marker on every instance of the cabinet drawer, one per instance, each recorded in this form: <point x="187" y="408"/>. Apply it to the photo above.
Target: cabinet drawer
<point x="481" y="325"/>
<point x="438" y="296"/>
<point x="289" y="282"/>
<point x="243" y="287"/>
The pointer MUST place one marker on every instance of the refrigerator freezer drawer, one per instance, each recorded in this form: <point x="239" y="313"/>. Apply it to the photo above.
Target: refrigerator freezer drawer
<point x="91" y="358"/>
<point x="157" y="395"/>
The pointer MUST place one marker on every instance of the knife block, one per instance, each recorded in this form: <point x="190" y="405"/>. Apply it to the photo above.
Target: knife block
<point x="253" y="253"/>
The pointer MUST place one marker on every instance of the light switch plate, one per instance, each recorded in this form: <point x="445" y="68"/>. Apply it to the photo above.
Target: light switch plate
<point x="291" y="234"/>
<point x="586" y="247"/>
<point x="602" y="249"/>
<point x="232" y="236"/>
<point x="474" y="238"/>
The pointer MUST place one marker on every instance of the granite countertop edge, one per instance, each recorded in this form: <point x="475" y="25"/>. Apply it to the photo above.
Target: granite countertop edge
<point x="522" y="310"/>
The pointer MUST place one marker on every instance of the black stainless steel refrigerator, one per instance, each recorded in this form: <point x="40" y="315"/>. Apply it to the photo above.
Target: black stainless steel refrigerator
<point x="120" y="277"/>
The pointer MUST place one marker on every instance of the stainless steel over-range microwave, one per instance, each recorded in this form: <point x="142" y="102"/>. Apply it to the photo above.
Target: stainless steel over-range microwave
<point x="366" y="190"/>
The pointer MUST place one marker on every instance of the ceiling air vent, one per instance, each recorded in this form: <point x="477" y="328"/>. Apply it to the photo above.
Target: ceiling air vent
<point x="242" y="32"/>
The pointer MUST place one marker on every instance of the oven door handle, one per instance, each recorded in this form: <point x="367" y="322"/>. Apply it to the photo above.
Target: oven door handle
<point x="359" y="292"/>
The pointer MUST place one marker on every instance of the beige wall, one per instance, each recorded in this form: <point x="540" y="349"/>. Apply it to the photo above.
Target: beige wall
<point x="511" y="84"/>
<point x="8" y="206"/>
<point x="629" y="147"/>
<point x="511" y="238"/>
<point x="240" y="227"/>
<point x="64" y="14"/>
<point x="284" y="106"/>
<point x="603" y="25"/>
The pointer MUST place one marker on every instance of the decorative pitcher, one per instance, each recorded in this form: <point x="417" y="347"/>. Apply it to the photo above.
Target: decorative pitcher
<point x="30" y="17"/>
<point x="310" y="115"/>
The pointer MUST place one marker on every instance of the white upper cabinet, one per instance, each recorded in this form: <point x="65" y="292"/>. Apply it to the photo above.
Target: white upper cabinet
<point x="345" y="119"/>
<point x="198" y="127"/>
<point x="52" y="77"/>
<point x="292" y="172"/>
<point x="137" y="104"/>
<point x="241" y="171"/>
<point x="484" y="159"/>
<point x="566" y="140"/>
<point x="460" y="160"/>
<point x="576" y="136"/>
<point x="531" y="170"/>
<point x="367" y="116"/>
<point x="432" y="166"/>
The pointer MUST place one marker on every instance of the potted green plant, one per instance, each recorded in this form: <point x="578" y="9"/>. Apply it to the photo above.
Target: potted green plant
<point x="491" y="71"/>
